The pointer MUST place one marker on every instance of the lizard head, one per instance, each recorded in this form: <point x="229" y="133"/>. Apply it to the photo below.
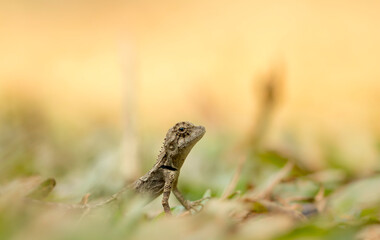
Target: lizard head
<point x="181" y="138"/>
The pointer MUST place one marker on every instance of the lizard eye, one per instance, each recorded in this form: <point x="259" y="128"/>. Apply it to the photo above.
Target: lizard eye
<point x="181" y="129"/>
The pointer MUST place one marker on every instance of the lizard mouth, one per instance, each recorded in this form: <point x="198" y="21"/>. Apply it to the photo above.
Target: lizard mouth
<point x="200" y="131"/>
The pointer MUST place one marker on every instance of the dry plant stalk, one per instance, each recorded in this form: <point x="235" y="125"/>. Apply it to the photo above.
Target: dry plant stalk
<point x="268" y="190"/>
<point x="270" y="94"/>
<point x="320" y="200"/>
<point x="84" y="200"/>
<point x="235" y="179"/>
<point x="271" y="91"/>
<point x="82" y="205"/>
<point x="263" y="196"/>
<point x="275" y="207"/>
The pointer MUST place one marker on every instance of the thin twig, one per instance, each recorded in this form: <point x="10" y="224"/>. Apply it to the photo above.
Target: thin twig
<point x="68" y="206"/>
<point x="275" y="207"/>
<point x="320" y="200"/>
<point x="267" y="191"/>
<point x="235" y="179"/>
<point x="84" y="201"/>
<point x="298" y="199"/>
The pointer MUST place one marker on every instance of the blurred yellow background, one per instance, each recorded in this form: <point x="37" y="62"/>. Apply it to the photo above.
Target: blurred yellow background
<point x="87" y="62"/>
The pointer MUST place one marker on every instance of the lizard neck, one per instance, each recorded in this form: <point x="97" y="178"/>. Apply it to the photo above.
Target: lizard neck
<point x="171" y="160"/>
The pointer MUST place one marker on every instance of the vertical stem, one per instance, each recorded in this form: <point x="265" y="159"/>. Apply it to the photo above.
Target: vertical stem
<point x="130" y="166"/>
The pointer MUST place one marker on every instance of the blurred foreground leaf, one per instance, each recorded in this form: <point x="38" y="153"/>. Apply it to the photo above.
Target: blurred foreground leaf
<point x="43" y="190"/>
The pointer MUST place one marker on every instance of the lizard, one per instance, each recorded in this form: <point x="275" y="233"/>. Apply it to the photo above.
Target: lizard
<point x="163" y="177"/>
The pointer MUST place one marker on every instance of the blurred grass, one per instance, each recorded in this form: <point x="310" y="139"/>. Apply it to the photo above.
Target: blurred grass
<point x="339" y="202"/>
<point x="75" y="156"/>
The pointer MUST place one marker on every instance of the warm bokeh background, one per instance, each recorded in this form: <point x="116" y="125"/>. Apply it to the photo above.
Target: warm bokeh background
<point x="90" y="65"/>
<point x="88" y="90"/>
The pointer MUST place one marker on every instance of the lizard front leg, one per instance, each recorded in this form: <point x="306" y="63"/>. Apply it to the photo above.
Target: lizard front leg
<point x="186" y="203"/>
<point x="170" y="176"/>
<point x="181" y="198"/>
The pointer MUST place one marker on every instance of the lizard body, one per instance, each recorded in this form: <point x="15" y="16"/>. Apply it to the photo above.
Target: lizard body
<point x="163" y="177"/>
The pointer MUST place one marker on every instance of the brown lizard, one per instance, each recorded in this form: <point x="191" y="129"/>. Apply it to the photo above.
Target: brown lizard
<point x="163" y="177"/>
